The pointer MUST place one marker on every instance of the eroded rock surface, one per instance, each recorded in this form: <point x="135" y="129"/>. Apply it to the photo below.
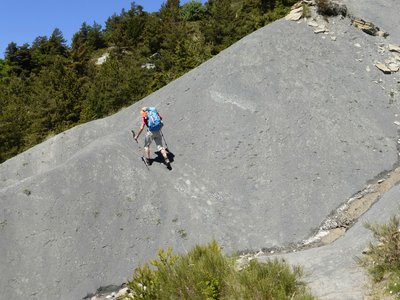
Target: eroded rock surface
<point x="269" y="138"/>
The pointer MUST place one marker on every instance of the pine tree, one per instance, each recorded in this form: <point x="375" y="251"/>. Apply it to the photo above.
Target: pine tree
<point x="13" y="119"/>
<point x="193" y="11"/>
<point x="57" y="43"/>
<point x="219" y="25"/>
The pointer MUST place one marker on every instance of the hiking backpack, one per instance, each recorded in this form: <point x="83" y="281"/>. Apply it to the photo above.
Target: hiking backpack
<point x="153" y="119"/>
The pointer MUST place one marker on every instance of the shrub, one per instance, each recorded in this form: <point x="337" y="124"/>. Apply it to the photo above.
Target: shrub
<point x="331" y="8"/>
<point x="383" y="258"/>
<point x="205" y="273"/>
<point x="274" y="279"/>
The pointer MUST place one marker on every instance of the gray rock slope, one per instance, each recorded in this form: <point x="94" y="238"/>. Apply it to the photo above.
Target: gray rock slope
<point x="383" y="13"/>
<point x="269" y="137"/>
<point x="332" y="271"/>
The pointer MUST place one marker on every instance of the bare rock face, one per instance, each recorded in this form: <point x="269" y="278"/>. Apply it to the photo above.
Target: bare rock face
<point x="384" y="68"/>
<point x="295" y="15"/>
<point x="383" y="13"/>
<point x="268" y="138"/>
<point x="394" y="48"/>
<point x="368" y="27"/>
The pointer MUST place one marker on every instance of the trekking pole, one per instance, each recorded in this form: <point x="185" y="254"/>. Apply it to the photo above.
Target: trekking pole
<point x="144" y="161"/>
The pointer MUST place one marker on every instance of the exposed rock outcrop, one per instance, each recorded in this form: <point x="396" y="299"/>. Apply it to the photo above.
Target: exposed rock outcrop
<point x="269" y="138"/>
<point x="368" y="27"/>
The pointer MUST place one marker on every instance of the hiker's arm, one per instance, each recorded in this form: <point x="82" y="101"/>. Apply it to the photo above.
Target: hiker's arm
<point x="140" y="131"/>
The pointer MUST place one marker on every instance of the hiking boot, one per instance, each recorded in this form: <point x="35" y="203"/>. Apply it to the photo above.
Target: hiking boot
<point x="168" y="164"/>
<point x="148" y="161"/>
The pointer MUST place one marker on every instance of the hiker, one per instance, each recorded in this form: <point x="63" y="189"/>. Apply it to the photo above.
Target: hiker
<point x="153" y="121"/>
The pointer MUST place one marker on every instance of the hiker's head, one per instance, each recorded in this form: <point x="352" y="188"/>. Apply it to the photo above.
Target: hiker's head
<point x="143" y="111"/>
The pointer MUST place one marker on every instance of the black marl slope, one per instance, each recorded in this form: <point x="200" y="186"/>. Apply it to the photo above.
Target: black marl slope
<point x="269" y="137"/>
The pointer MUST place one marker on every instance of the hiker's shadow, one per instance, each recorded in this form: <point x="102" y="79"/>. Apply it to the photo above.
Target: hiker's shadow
<point x="160" y="159"/>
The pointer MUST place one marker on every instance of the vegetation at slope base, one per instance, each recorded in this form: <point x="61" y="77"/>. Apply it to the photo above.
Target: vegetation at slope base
<point x="205" y="273"/>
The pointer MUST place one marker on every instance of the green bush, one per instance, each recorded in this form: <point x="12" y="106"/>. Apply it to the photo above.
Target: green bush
<point x="382" y="259"/>
<point x="271" y="280"/>
<point x="205" y="273"/>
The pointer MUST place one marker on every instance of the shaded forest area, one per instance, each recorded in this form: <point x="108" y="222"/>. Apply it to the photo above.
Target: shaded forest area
<point x="48" y="87"/>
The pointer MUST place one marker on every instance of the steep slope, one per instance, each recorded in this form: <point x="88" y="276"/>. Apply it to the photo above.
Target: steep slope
<point x="333" y="272"/>
<point x="383" y="13"/>
<point x="269" y="137"/>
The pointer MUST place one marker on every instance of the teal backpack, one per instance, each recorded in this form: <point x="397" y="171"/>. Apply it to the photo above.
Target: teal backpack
<point x="153" y="119"/>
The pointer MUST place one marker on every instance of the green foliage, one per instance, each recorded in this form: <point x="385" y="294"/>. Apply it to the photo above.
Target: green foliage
<point x="271" y="280"/>
<point x="4" y="70"/>
<point x="56" y="90"/>
<point x="170" y="11"/>
<point x="90" y="37"/>
<point x="13" y="117"/>
<point x="57" y="43"/>
<point x="193" y="11"/>
<point x="250" y="17"/>
<point x="19" y="59"/>
<point x="47" y="102"/>
<point x="219" y="24"/>
<point x="205" y="273"/>
<point x="115" y="84"/>
<point x="281" y="9"/>
<point x="383" y="259"/>
<point x="393" y="285"/>
<point x="126" y="30"/>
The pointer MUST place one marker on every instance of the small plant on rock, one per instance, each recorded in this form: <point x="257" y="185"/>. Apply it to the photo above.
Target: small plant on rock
<point x="382" y="259"/>
<point x="306" y="11"/>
